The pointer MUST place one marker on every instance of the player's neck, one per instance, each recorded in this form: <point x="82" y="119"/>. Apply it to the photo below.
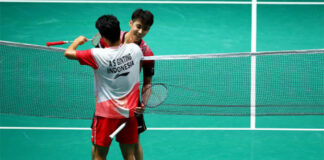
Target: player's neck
<point x="129" y="38"/>
<point x="115" y="44"/>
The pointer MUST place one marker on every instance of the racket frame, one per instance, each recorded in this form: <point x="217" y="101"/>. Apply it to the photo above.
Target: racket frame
<point x="156" y="84"/>
<point x="94" y="41"/>
<point x="122" y="126"/>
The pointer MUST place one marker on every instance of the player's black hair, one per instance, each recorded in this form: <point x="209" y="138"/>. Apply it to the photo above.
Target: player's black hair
<point x="108" y="26"/>
<point x="143" y="15"/>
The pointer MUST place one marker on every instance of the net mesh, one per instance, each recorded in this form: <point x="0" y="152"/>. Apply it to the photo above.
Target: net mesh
<point x="40" y="81"/>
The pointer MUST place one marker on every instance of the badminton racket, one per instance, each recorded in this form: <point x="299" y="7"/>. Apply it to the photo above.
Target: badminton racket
<point x="95" y="40"/>
<point x="152" y="97"/>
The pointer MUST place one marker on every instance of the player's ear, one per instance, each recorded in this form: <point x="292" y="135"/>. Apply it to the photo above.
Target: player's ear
<point x="130" y="23"/>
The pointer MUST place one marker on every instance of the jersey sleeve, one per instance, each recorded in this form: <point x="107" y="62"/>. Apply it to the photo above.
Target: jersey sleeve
<point x="86" y="57"/>
<point x="148" y="66"/>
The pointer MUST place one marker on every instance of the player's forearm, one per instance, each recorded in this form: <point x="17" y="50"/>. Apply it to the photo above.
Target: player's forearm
<point x="70" y="52"/>
<point x="146" y="85"/>
<point x="147" y="82"/>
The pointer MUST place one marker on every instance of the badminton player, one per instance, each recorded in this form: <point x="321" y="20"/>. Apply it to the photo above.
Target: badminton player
<point x="116" y="74"/>
<point x="140" y="24"/>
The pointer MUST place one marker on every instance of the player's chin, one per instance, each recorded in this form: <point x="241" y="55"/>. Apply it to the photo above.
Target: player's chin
<point x="138" y="37"/>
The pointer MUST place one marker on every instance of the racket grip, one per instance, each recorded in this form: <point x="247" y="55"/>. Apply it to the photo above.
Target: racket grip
<point x="117" y="130"/>
<point x="56" y="43"/>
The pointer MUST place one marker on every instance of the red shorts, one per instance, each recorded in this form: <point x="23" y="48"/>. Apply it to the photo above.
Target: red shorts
<point x="103" y="127"/>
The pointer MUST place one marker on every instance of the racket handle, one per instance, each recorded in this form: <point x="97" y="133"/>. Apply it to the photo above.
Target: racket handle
<point x="56" y="43"/>
<point x="117" y="130"/>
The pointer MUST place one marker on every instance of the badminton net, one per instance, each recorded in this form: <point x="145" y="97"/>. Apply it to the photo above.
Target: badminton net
<point x="40" y="81"/>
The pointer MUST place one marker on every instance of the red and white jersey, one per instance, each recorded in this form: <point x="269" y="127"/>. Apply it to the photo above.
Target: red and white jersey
<point x="148" y="66"/>
<point x="116" y="73"/>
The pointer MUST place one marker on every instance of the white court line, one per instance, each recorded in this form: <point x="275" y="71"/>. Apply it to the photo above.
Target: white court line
<point x="43" y="128"/>
<point x="130" y="2"/>
<point x="292" y="3"/>
<point x="253" y="62"/>
<point x="172" y="129"/>
<point x="238" y="129"/>
<point x="165" y="2"/>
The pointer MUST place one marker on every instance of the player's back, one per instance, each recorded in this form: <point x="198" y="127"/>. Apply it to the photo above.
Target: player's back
<point x="117" y="75"/>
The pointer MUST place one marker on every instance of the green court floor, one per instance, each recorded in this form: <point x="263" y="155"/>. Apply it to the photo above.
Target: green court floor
<point x="179" y="29"/>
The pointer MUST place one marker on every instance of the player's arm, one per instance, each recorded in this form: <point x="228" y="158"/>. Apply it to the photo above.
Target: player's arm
<point x="148" y="69"/>
<point x="147" y="82"/>
<point x="70" y="52"/>
<point x="148" y="72"/>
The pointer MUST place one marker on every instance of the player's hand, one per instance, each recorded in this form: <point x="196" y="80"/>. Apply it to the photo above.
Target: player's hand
<point x="81" y="40"/>
<point x="140" y="109"/>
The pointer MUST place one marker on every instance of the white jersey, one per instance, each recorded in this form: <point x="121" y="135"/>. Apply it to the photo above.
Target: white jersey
<point x="116" y="73"/>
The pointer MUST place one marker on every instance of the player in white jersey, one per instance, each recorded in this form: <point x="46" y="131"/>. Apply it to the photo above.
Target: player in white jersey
<point x="116" y="74"/>
<point x="140" y="24"/>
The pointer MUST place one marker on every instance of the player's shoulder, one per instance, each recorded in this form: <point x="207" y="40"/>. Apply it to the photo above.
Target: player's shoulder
<point x="97" y="50"/>
<point x="146" y="49"/>
<point x="135" y="49"/>
<point x="101" y="52"/>
<point x="143" y="43"/>
<point x="133" y="46"/>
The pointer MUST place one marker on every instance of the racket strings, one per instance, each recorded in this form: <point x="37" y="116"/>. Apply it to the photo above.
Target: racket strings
<point x="157" y="95"/>
<point x="96" y="39"/>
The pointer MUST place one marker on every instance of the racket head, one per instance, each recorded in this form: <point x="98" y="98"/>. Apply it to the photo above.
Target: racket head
<point x="155" y="95"/>
<point x="96" y="39"/>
